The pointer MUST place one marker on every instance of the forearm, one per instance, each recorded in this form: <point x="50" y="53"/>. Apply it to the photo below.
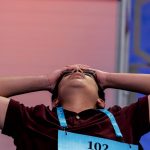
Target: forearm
<point x="10" y="86"/>
<point x="131" y="82"/>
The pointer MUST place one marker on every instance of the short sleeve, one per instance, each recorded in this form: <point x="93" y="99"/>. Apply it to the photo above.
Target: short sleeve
<point x="143" y="123"/>
<point x="15" y="118"/>
<point x="138" y="115"/>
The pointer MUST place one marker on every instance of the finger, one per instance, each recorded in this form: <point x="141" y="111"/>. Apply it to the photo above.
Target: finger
<point x="80" y="65"/>
<point x="77" y="66"/>
<point x="68" y="67"/>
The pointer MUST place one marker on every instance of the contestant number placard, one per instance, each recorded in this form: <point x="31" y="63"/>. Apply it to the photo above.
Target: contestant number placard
<point x="73" y="141"/>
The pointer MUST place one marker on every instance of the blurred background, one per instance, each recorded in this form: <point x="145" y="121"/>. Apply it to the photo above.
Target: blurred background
<point x="37" y="37"/>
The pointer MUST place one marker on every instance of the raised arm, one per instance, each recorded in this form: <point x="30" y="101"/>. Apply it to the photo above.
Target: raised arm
<point x="11" y="86"/>
<point x="126" y="81"/>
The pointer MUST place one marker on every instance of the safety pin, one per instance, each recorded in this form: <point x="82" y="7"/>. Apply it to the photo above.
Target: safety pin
<point x="65" y="131"/>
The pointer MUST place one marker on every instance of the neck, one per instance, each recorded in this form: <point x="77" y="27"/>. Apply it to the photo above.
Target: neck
<point x="78" y="102"/>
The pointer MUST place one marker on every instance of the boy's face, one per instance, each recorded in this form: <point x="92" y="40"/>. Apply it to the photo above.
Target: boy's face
<point x="78" y="79"/>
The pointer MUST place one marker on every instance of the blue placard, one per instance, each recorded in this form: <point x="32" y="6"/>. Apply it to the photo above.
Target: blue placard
<point x="74" y="141"/>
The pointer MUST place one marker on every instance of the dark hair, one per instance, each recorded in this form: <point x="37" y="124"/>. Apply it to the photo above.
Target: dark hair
<point x="101" y="93"/>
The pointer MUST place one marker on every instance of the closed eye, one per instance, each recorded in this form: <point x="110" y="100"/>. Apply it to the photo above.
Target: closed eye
<point x="89" y="73"/>
<point x="66" y="72"/>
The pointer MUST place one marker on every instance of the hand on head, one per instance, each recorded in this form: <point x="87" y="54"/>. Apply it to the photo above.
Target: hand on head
<point x="100" y="75"/>
<point x="53" y="77"/>
<point x="61" y="75"/>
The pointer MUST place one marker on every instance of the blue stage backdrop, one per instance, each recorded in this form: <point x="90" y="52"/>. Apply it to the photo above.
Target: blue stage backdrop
<point x="139" y="45"/>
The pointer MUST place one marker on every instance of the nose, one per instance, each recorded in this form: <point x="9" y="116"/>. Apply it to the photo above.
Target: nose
<point x="77" y="69"/>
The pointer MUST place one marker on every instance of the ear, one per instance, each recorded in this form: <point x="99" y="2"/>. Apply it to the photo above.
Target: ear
<point x="100" y="103"/>
<point x="55" y="103"/>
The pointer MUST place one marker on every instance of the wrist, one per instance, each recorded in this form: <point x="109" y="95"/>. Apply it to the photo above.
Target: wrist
<point x="110" y="80"/>
<point x="49" y="85"/>
<point x="104" y="82"/>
